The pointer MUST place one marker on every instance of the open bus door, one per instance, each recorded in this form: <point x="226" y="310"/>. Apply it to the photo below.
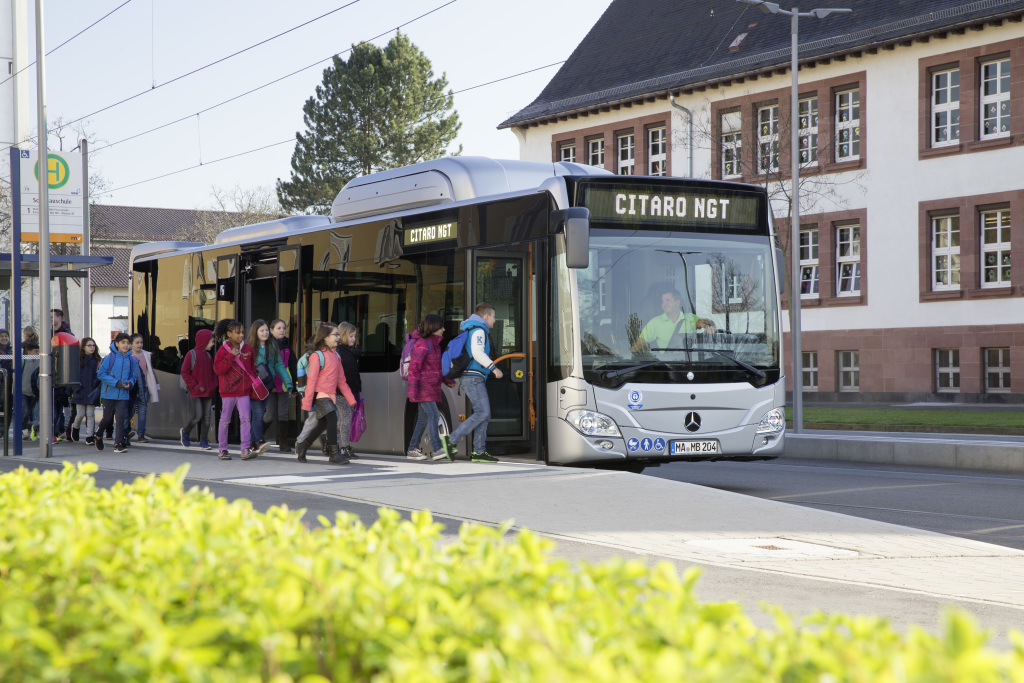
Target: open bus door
<point x="508" y="281"/>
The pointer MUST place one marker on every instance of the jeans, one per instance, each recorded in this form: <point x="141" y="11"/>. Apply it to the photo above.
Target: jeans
<point x="115" y="412"/>
<point x="259" y="409"/>
<point x="199" y="414"/>
<point x="426" y="420"/>
<point x="85" y="414"/>
<point x="476" y="392"/>
<point x="140" y="407"/>
<point x="307" y="428"/>
<point x="228" y="405"/>
<point x="29" y="412"/>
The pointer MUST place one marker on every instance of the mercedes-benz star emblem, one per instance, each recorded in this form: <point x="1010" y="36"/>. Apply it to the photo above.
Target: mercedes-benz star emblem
<point x="691" y="422"/>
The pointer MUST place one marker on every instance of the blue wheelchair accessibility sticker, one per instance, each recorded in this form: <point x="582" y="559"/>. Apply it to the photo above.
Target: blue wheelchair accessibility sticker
<point x="659" y="445"/>
<point x="633" y="444"/>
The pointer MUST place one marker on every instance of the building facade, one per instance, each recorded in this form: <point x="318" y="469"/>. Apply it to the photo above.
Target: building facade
<point x="911" y="153"/>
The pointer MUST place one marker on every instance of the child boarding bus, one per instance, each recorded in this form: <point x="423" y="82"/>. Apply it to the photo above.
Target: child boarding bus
<point x="637" y="317"/>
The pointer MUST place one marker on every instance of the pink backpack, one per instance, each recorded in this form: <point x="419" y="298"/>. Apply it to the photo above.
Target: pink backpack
<point x="403" y="366"/>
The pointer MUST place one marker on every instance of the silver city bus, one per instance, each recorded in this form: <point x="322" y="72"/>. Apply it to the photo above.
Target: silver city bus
<point x="637" y="317"/>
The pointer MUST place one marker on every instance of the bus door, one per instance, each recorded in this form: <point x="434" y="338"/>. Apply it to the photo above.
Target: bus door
<point x="288" y="279"/>
<point x="505" y="279"/>
<point x="260" y="270"/>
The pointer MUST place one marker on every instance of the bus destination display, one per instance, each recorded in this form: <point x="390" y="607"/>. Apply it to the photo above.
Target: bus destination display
<point x="431" y="233"/>
<point x="665" y="206"/>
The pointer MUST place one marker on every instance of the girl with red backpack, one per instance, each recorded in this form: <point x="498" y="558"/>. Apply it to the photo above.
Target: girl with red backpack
<point x="425" y="379"/>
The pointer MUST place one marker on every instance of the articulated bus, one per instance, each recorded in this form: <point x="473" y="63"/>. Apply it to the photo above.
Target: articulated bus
<point x="637" y="317"/>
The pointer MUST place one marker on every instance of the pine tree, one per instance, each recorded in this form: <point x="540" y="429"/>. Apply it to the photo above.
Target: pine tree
<point x="381" y="109"/>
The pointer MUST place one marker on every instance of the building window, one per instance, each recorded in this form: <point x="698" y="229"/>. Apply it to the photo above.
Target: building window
<point x="810" y="370"/>
<point x="997" y="370"/>
<point x="626" y="154"/>
<point x="946" y="253"/>
<point x="595" y="152"/>
<point x="120" y="305"/>
<point x="945" y="108"/>
<point x="849" y="370"/>
<point x="567" y="153"/>
<point x="947" y="370"/>
<point x="995" y="99"/>
<point x="808" y="132"/>
<point x="809" y="264"/>
<point x="848" y="125"/>
<point x="732" y="145"/>
<point x="848" y="260"/>
<point x="768" y="139"/>
<point x="656" y="157"/>
<point x="995" y="248"/>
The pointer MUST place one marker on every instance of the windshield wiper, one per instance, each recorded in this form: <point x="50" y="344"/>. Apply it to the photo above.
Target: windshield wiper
<point x="756" y="372"/>
<point x="612" y="374"/>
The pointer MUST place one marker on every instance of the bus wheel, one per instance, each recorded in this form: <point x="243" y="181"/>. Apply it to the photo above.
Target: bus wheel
<point x="443" y="426"/>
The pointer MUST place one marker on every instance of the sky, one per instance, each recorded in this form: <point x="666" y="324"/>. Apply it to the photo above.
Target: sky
<point x="147" y="43"/>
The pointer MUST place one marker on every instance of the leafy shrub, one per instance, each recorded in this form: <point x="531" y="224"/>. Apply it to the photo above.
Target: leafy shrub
<point x="149" y="582"/>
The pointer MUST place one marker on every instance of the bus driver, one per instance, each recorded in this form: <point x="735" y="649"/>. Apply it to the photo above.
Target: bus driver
<point x="659" y="331"/>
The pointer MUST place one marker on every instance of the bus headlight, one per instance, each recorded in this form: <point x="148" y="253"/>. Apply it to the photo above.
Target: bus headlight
<point x="773" y="422"/>
<point x="592" y="424"/>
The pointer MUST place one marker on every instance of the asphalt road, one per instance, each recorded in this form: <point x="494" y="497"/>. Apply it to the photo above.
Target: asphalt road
<point x="981" y="506"/>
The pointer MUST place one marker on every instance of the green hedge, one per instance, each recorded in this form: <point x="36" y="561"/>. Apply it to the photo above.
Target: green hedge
<point x="149" y="582"/>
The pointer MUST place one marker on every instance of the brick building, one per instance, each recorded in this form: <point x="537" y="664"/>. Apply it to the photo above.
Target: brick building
<point x="911" y="129"/>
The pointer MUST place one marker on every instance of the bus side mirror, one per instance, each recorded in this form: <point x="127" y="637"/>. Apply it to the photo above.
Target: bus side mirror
<point x="575" y="222"/>
<point x="780" y="269"/>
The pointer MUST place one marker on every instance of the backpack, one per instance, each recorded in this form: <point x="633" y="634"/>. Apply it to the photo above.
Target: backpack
<point x="301" y="370"/>
<point x="403" y="365"/>
<point x="456" y="357"/>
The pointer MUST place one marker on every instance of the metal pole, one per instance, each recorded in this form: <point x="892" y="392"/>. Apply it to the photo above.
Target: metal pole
<point x="86" y="248"/>
<point x="16" y="292"/>
<point x="45" y="385"/>
<point x="794" y="228"/>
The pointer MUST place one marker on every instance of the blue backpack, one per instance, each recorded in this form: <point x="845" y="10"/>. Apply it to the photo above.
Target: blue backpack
<point x="456" y="357"/>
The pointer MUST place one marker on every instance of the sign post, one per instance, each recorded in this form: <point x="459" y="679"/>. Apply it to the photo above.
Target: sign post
<point x="43" y="168"/>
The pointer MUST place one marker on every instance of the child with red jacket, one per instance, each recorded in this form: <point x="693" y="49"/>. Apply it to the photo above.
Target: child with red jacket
<point x="198" y="375"/>
<point x="425" y="381"/>
<point x="322" y="388"/>
<point x="235" y="366"/>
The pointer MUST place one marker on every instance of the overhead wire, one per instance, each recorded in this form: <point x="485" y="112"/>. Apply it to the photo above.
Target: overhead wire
<point x="68" y="40"/>
<point x="215" y="62"/>
<point x="275" y="144"/>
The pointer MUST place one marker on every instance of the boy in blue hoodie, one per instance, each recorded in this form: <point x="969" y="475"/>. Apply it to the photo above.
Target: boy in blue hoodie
<point x="118" y="372"/>
<point x="473" y="382"/>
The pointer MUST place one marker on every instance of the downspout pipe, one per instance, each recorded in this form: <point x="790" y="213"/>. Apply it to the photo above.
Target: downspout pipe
<point x="689" y="134"/>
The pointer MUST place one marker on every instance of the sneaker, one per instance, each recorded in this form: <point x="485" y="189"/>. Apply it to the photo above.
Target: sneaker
<point x="205" y="445"/>
<point x="450" y="449"/>
<point x="417" y="454"/>
<point x="35" y="434"/>
<point x="184" y="437"/>
<point x="142" y="439"/>
<point x="131" y="435"/>
<point x="260" y="448"/>
<point x="223" y="455"/>
<point x="75" y="433"/>
<point x="98" y="443"/>
<point x="249" y="453"/>
<point x="482" y="456"/>
<point x="25" y="433"/>
<point x="90" y="441"/>
<point x="54" y="440"/>
<point x="439" y="455"/>
<point x="120" y="448"/>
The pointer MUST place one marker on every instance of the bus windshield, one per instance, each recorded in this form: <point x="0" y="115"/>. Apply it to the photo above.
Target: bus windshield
<point x="673" y="307"/>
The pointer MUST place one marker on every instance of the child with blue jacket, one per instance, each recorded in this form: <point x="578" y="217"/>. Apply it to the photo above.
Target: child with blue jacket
<point x="118" y="372"/>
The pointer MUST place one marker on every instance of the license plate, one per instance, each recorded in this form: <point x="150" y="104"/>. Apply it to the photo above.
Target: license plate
<point x="694" y="447"/>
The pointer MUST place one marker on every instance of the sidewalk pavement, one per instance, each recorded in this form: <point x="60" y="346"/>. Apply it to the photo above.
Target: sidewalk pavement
<point x="629" y="512"/>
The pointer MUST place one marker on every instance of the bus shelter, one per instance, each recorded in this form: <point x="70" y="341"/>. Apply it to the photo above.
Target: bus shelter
<point x="12" y="271"/>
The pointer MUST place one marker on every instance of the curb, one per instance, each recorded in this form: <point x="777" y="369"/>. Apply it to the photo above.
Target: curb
<point x="900" y="449"/>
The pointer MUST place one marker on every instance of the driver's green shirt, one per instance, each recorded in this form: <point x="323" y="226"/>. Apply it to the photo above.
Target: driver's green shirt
<point x="658" y="332"/>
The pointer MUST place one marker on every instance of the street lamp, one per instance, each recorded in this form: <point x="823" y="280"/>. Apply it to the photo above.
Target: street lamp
<point x="794" y="226"/>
